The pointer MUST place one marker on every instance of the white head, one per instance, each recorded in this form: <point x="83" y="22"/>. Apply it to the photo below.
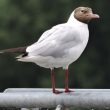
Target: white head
<point x="83" y="14"/>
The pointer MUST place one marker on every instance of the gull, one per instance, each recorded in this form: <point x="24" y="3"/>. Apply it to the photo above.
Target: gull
<point x="59" y="46"/>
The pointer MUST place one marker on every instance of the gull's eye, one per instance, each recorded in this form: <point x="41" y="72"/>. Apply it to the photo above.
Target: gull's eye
<point x="82" y="11"/>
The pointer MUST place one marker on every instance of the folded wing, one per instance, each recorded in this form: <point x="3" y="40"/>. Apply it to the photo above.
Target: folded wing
<point x="55" y="42"/>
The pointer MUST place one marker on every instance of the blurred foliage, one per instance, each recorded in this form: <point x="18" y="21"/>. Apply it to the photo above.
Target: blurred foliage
<point x="23" y="21"/>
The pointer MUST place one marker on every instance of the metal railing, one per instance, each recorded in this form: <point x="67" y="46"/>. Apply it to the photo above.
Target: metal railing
<point x="44" y="98"/>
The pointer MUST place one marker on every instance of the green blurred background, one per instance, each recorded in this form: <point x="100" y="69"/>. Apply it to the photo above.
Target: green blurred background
<point x="23" y="21"/>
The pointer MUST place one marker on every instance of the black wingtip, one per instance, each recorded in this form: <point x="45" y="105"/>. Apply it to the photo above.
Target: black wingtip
<point x="25" y="54"/>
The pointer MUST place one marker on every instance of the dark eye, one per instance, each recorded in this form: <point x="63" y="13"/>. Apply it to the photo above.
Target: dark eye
<point x="82" y="11"/>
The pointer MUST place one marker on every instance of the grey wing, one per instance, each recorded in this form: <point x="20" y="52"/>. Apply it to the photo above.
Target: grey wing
<point x="47" y="34"/>
<point x="43" y="37"/>
<point x="55" y="44"/>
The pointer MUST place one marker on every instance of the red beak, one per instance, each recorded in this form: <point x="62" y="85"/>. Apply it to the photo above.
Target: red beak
<point x="94" y="16"/>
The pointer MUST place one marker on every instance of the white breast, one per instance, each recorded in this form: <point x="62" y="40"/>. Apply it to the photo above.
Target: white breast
<point x="75" y="52"/>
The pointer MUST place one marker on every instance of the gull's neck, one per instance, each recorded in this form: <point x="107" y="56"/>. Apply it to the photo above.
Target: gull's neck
<point x="73" y="21"/>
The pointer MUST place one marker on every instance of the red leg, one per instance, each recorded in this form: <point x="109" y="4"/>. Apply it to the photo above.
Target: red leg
<point x="66" y="81"/>
<point x="53" y="82"/>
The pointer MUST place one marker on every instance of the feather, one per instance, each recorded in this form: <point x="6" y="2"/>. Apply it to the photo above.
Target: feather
<point x="14" y="50"/>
